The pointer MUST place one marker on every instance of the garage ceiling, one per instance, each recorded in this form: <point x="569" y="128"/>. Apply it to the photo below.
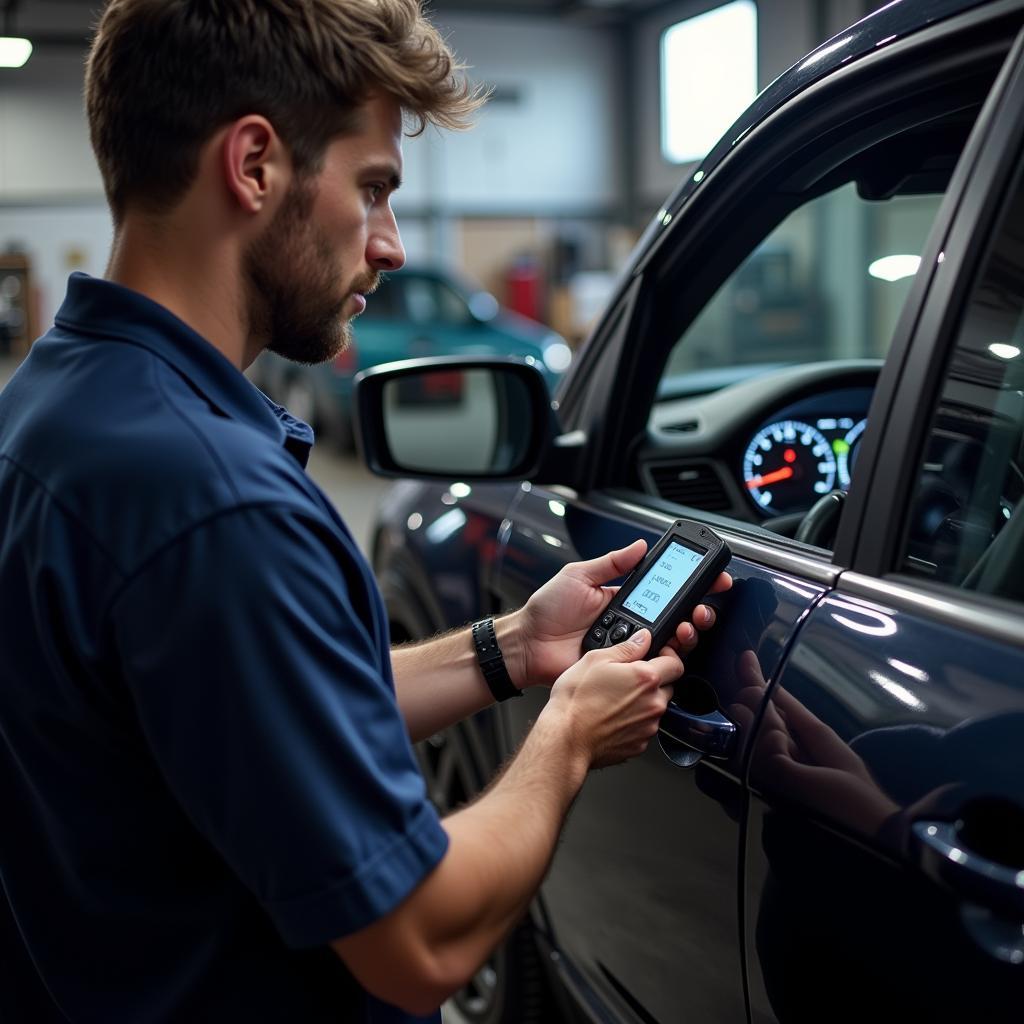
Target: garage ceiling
<point x="67" y="23"/>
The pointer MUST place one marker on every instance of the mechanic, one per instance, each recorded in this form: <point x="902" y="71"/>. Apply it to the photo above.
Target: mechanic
<point x="212" y="809"/>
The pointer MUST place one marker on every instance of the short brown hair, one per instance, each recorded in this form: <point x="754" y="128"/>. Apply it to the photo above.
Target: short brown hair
<point x="164" y="75"/>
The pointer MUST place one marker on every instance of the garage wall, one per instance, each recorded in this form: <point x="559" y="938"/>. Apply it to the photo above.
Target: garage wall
<point x="545" y="146"/>
<point x="555" y="144"/>
<point x="44" y="141"/>
<point x="547" y="140"/>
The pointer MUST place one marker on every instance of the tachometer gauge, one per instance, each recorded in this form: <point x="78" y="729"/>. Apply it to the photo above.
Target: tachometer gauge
<point x="846" y="452"/>
<point x="787" y="466"/>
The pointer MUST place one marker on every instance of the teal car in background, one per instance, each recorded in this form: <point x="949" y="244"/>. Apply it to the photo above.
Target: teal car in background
<point x="419" y="311"/>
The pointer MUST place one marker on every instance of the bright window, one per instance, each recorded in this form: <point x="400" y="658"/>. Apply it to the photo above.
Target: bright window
<point x="708" y="78"/>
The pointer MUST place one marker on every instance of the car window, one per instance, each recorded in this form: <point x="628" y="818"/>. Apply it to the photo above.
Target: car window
<point x="966" y="519"/>
<point x="828" y="283"/>
<point x="772" y="319"/>
<point x="432" y="301"/>
<point x="385" y="304"/>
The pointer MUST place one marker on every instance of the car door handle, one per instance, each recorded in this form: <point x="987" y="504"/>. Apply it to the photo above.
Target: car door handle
<point x="709" y="733"/>
<point x="945" y="858"/>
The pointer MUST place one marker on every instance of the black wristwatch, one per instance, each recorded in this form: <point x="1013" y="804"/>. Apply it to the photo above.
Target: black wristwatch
<point x="492" y="663"/>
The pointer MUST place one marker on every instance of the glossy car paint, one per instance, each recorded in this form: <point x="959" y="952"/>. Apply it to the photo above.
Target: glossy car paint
<point x="650" y="938"/>
<point x="904" y="723"/>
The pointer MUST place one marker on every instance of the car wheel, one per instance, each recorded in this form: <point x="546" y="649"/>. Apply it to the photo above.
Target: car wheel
<point x="300" y="398"/>
<point x="510" y="987"/>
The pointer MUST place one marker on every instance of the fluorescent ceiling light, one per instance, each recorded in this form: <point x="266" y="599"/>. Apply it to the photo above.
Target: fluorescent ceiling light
<point x="708" y="78"/>
<point x="894" y="268"/>
<point x="14" y="52"/>
<point x="998" y="348"/>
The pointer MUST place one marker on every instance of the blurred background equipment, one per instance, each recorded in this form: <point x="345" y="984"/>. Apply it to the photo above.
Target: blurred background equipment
<point x="18" y="320"/>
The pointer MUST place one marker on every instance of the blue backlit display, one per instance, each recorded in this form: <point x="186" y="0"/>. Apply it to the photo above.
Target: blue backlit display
<point x="663" y="581"/>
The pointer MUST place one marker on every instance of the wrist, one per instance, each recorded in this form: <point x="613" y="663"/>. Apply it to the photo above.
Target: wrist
<point x="554" y="732"/>
<point x="511" y="638"/>
<point x="491" y="660"/>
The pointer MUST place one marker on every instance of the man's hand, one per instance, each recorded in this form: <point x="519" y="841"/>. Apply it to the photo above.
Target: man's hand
<point x="554" y="621"/>
<point x="612" y="700"/>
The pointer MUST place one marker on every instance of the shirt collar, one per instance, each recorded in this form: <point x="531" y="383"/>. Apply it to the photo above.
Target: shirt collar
<point x="111" y="311"/>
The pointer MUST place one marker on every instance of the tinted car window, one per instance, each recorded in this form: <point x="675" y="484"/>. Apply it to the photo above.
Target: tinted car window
<point x="386" y="303"/>
<point x="827" y="283"/>
<point x="966" y="524"/>
<point x="430" y="301"/>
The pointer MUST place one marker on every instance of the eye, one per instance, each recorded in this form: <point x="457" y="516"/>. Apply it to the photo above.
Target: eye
<point x="375" y="189"/>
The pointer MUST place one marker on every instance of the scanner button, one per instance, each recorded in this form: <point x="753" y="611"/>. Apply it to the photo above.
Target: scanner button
<point x="597" y="635"/>
<point x="619" y="633"/>
<point x="607" y="619"/>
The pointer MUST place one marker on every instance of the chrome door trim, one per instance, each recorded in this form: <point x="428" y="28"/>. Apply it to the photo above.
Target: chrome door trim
<point x="810" y="568"/>
<point x="953" y="607"/>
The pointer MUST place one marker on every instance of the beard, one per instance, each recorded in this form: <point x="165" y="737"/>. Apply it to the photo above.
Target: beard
<point x="294" y="301"/>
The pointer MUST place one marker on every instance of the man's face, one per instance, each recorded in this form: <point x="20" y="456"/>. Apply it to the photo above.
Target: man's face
<point x="310" y="271"/>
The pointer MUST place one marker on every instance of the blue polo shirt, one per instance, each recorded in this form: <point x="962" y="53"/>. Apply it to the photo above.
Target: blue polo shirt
<point x="204" y="775"/>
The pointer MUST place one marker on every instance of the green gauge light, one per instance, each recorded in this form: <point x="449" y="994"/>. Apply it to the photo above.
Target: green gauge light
<point x="840" y="447"/>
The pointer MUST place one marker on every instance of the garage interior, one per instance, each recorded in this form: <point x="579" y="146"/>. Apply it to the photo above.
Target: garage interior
<point x="540" y="204"/>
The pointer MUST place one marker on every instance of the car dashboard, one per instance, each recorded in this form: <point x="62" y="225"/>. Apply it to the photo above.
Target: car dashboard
<point x="765" y="448"/>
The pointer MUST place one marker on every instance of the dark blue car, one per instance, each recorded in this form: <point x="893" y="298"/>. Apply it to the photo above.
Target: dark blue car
<point x="818" y="350"/>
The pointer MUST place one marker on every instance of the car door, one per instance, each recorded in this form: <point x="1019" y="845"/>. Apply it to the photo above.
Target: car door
<point x="644" y="901"/>
<point x="642" y="894"/>
<point x="885" y="844"/>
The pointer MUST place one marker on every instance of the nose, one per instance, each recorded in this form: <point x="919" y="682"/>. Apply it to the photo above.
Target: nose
<point x="384" y="249"/>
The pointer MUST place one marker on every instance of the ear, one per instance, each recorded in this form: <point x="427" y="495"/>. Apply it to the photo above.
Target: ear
<point x="255" y="162"/>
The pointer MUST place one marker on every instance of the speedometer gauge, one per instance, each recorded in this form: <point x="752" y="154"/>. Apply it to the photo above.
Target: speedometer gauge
<point x="787" y="466"/>
<point x="846" y="452"/>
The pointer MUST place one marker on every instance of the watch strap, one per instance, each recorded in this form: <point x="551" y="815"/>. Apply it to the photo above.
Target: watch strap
<point x="492" y="662"/>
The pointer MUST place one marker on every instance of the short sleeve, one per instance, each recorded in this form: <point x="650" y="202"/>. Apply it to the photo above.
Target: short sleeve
<point x="263" y="688"/>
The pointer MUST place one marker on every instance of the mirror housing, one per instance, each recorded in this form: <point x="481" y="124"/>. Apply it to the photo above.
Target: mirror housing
<point x="452" y="417"/>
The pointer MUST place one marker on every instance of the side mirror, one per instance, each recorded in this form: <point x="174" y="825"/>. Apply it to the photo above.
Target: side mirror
<point x="451" y="417"/>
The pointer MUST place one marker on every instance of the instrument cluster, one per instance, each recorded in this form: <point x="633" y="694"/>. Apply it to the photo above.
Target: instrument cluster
<point x="805" y="450"/>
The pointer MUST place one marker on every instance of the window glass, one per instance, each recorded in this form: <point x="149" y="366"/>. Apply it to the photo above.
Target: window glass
<point x="431" y="301"/>
<point x="708" y="78"/>
<point x="828" y="283"/>
<point x="966" y="520"/>
<point x="384" y="304"/>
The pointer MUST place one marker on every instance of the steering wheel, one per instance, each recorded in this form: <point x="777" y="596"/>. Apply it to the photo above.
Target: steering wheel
<point x="819" y="525"/>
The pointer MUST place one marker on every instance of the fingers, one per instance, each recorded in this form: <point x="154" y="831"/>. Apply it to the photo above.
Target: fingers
<point x="616" y="563"/>
<point x="703" y="618"/>
<point x="667" y="666"/>
<point x="722" y="584"/>
<point x="632" y="649"/>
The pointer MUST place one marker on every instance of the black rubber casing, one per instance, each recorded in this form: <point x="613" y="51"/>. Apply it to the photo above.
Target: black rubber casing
<point x="615" y="623"/>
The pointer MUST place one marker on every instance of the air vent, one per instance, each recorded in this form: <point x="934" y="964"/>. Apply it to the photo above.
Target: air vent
<point x="691" y="483"/>
<point x="684" y="427"/>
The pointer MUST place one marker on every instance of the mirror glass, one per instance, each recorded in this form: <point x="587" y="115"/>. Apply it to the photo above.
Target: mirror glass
<point x="458" y="422"/>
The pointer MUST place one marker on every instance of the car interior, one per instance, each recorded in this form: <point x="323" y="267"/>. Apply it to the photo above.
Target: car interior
<point x="770" y="342"/>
